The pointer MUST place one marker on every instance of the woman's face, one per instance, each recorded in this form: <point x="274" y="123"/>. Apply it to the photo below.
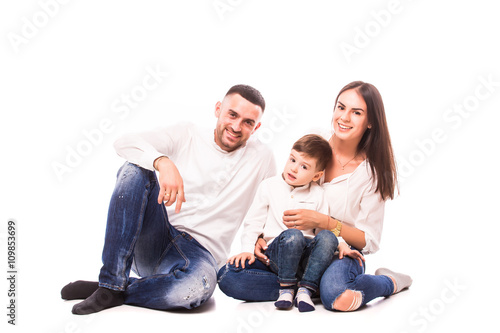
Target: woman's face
<point x="350" y="118"/>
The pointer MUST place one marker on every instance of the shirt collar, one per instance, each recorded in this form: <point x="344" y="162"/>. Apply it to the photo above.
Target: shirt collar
<point x="295" y="188"/>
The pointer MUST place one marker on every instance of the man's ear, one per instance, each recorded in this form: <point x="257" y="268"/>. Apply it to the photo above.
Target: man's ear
<point x="256" y="127"/>
<point x="218" y="109"/>
<point x="318" y="175"/>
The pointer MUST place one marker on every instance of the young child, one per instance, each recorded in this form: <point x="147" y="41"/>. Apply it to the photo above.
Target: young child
<point x="292" y="253"/>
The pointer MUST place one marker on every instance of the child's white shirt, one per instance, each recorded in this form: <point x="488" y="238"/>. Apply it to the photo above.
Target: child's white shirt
<point x="273" y="197"/>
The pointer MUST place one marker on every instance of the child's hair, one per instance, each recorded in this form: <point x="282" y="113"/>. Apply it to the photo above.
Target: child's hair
<point x="315" y="147"/>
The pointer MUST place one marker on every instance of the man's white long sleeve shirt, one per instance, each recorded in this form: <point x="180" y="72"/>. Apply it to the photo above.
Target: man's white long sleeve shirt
<point x="219" y="186"/>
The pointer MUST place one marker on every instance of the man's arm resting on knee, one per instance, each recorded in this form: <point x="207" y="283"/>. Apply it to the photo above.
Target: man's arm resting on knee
<point x="171" y="183"/>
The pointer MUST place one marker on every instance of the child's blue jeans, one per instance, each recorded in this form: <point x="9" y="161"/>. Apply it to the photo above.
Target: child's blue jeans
<point x="295" y="258"/>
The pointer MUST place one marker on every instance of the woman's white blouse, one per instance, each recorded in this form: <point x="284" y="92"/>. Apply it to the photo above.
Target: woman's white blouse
<point x="352" y="200"/>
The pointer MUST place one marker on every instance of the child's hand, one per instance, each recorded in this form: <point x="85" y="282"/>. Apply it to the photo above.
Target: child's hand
<point x="344" y="250"/>
<point x="241" y="258"/>
<point x="260" y="249"/>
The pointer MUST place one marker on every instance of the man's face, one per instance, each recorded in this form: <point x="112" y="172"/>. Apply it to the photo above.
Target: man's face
<point x="237" y="120"/>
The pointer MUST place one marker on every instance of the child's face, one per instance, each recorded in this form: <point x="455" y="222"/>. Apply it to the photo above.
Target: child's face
<point x="300" y="169"/>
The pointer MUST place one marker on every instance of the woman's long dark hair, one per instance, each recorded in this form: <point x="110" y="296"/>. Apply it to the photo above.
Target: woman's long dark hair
<point x="376" y="141"/>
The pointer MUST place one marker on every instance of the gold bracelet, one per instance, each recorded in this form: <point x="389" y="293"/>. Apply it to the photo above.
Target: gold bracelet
<point x="336" y="230"/>
<point x="155" y="162"/>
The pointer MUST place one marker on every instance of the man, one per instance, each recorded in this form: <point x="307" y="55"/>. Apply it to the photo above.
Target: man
<point x="176" y="250"/>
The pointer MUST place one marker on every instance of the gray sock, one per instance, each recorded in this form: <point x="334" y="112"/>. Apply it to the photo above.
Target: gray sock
<point x="285" y="300"/>
<point x="303" y="300"/>
<point x="402" y="280"/>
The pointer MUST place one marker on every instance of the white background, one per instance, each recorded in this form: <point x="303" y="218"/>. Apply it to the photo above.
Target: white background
<point x="66" y="67"/>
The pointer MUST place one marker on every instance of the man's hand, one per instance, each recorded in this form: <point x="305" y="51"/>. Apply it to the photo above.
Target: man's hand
<point x="241" y="258"/>
<point x="171" y="184"/>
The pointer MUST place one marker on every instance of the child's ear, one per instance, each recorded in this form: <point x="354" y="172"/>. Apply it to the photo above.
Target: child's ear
<point x="318" y="175"/>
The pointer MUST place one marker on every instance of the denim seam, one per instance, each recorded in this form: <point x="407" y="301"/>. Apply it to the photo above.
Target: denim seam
<point x="273" y="266"/>
<point x="311" y="245"/>
<point x="287" y="281"/>
<point x="111" y="286"/>
<point x="258" y="273"/>
<point x="132" y="244"/>
<point x="160" y="259"/>
<point x="309" y="285"/>
<point x="180" y="252"/>
<point x="168" y="246"/>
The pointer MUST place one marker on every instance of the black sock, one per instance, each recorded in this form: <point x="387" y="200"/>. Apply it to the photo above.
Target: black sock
<point x="101" y="299"/>
<point x="79" y="289"/>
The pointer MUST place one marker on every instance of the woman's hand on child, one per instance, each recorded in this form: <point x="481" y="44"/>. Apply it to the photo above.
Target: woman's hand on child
<point x="301" y="219"/>
<point x="344" y="250"/>
<point x="241" y="258"/>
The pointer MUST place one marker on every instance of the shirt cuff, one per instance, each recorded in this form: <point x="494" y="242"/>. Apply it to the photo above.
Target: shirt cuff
<point x="148" y="159"/>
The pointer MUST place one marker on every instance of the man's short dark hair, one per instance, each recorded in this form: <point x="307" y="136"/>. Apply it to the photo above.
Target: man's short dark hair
<point x="249" y="93"/>
<point x="315" y="147"/>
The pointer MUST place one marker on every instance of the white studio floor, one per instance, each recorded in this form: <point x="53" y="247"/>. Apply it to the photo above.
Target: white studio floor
<point x="223" y="314"/>
<point x="430" y="305"/>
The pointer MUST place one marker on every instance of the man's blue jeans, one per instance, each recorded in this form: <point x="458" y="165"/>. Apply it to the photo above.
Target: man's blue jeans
<point x="175" y="270"/>
<point x="294" y="257"/>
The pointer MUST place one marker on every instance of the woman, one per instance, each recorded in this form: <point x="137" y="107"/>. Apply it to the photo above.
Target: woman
<point x="358" y="181"/>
